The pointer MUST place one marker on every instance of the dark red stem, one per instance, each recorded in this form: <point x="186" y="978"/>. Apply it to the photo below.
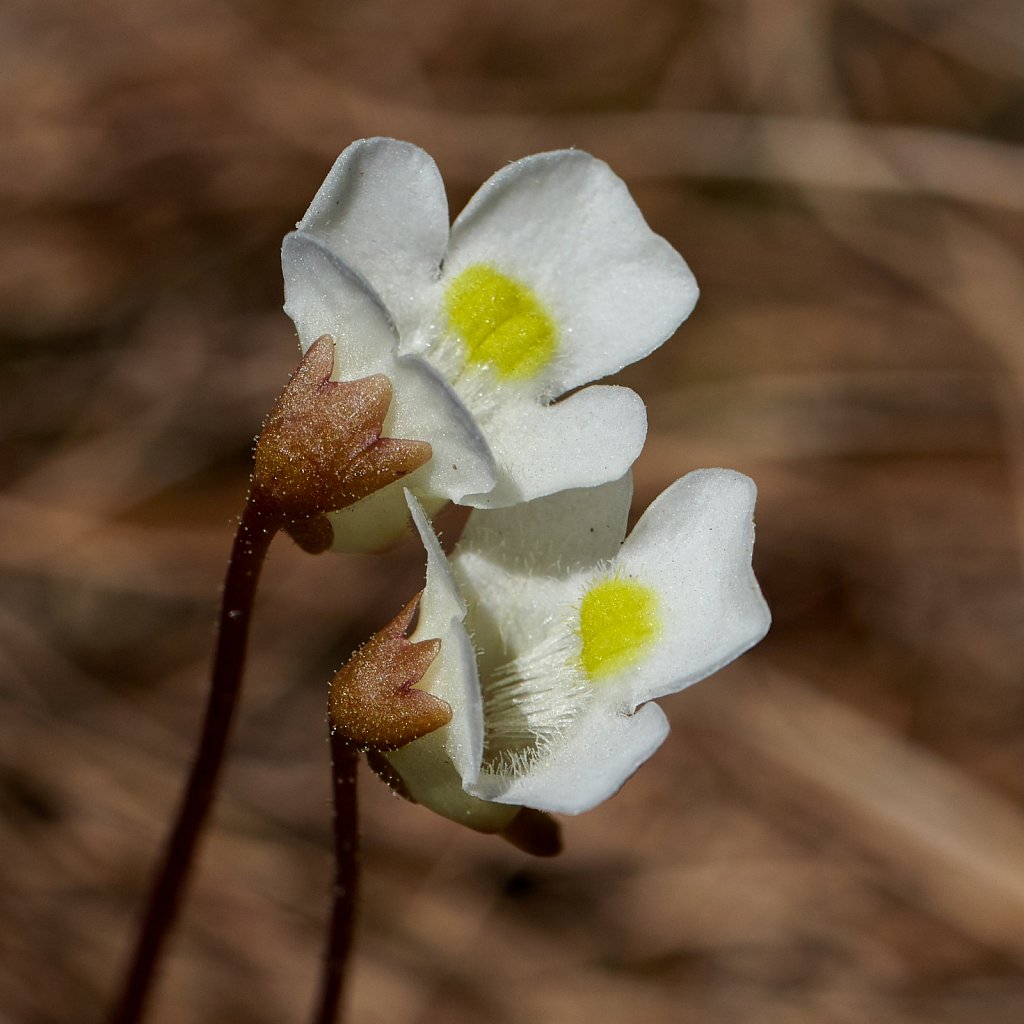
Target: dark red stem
<point x="255" y="532"/>
<point x="344" y="762"/>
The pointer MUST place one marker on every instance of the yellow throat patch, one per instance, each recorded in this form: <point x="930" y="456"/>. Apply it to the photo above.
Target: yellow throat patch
<point x="618" y="623"/>
<point x="501" y="322"/>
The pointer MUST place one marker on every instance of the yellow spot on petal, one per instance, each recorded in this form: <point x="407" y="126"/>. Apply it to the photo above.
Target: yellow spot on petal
<point x="501" y="322"/>
<point x="618" y="623"/>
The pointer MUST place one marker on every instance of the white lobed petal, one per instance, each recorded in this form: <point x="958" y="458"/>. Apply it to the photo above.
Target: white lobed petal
<point x="382" y="209"/>
<point x="693" y="545"/>
<point x="589" y="764"/>
<point x="451" y="677"/>
<point x="323" y="295"/>
<point x="520" y="568"/>
<point x="565" y="224"/>
<point x="582" y="441"/>
<point x="425" y="408"/>
<point x="557" y="535"/>
<point x="434" y="767"/>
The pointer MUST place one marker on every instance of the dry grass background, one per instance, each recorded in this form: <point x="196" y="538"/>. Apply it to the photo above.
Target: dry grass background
<point x="834" y="832"/>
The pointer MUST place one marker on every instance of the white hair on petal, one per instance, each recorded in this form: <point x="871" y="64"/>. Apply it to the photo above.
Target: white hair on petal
<point x="531" y="701"/>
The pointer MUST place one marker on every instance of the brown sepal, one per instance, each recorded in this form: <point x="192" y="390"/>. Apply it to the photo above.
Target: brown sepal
<point x="374" y="701"/>
<point x="321" y="448"/>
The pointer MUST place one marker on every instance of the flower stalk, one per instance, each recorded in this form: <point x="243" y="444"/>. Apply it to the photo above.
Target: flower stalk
<point x="252" y="541"/>
<point x="321" y="449"/>
<point x="373" y="706"/>
<point x="344" y="763"/>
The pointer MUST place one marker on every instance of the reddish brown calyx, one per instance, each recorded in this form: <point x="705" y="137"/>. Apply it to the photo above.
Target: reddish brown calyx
<point x="374" y="701"/>
<point x="321" y="448"/>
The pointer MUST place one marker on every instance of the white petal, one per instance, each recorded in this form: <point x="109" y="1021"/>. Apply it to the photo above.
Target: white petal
<point x="441" y="605"/>
<point x="564" y="224"/>
<point x="694" y="545"/>
<point x="323" y="295"/>
<point x="519" y="568"/>
<point x="555" y="535"/>
<point x="582" y="441"/>
<point x="434" y="767"/>
<point x="382" y="209"/>
<point x="453" y="675"/>
<point x="588" y="765"/>
<point x="425" y="408"/>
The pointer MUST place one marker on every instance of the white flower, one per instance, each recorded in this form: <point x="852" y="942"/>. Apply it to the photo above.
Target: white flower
<point x="575" y="632"/>
<point x="549" y="279"/>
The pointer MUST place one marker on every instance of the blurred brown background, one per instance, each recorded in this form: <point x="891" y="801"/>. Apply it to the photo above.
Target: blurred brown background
<point x="834" y="831"/>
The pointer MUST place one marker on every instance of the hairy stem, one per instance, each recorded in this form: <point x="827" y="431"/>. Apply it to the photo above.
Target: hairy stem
<point x="344" y="761"/>
<point x="255" y="532"/>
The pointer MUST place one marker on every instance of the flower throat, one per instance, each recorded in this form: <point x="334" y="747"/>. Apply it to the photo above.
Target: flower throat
<point x="501" y="322"/>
